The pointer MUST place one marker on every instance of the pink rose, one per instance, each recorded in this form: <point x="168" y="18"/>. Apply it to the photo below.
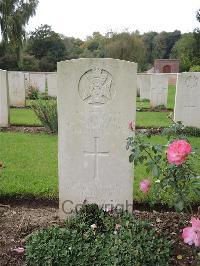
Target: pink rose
<point x="195" y="222"/>
<point x="131" y="125"/>
<point x="191" y="235"/>
<point x="178" y="151"/>
<point x="145" y="185"/>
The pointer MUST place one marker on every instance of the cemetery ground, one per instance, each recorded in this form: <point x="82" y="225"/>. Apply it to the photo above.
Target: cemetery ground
<point x="29" y="184"/>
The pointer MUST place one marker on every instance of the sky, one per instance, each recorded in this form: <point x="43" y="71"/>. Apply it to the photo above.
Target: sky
<point x="80" y="18"/>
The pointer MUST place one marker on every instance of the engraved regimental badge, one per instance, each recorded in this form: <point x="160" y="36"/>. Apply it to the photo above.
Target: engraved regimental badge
<point x="95" y="86"/>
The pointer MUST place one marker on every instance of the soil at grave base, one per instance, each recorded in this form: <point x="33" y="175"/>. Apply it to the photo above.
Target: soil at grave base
<point x="19" y="220"/>
<point x="24" y="129"/>
<point x="151" y="109"/>
<point x="40" y="129"/>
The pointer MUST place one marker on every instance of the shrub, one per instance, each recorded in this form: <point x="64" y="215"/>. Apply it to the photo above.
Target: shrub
<point x="159" y="107"/>
<point x="134" y="242"/>
<point x="195" y="69"/>
<point x="33" y="92"/>
<point x="46" y="111"/>
<point x="171" y="167"/>
<point x="45" y="96"/>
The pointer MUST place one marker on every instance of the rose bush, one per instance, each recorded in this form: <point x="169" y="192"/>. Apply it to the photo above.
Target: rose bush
<point x="169" y="166"/>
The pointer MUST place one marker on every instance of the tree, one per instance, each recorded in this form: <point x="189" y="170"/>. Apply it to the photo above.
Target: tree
<point x="14" y="15"/>
<point x="148" y="39"/>
<point x="74" y="47"/>
<point x="196" y="49"/>
<point x="126" y="46"/>
<point x="94" y="46"/>
<point x="184" y="50"/>
<point x="198" y="15"/>
<point x="47" y="46"/>
<point x="163" y="44"/>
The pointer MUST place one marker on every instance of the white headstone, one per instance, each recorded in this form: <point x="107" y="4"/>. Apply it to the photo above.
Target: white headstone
<point x="145" y="85"/>
<point x="138" y="84"/>
<point x="159" y="90"/>
<point x="96" y="99"/>
<point x="27" y="81"/>
<point x="4" y="101"/>
<point x="38" y="80"/>
<point x="187" y="103"/>
<point x="17" y="93"/>
<point x="52" y="84"/>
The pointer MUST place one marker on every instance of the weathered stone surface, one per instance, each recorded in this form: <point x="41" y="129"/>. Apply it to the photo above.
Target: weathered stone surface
<point x="52" y="84"/>
<point x="4" y="101"/>
<point x="38" y="80"/>
<point x="159" y="90"/>
<point x="16" y="84"/>
<point x="96" y="99"/>
<point x="187" y="104"/>
<point x="138" y="84"/>
<point x="145" y="86"/>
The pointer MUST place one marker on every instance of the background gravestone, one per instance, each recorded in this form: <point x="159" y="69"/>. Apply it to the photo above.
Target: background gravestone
<point x="187" y="103"/>
<point x="4" y="102"/>
<point x="138" y="84"/>
<point x="16" y="84"/>
<point x="38" y="80"/>
<point x="52" y="84"/>
<point x="96" y="100"/>
<point x="145" y="85"/>
<point x="159" y="90"/>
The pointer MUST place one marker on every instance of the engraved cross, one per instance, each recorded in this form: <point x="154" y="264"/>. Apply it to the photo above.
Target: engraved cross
<point x="96" y="155"/>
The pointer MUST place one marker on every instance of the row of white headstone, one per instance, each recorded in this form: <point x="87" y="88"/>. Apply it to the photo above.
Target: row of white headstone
<point x="153" y="87"/>
<point x="96" y="100"/>
<point x="19" y="84"/>
<point x="150" y="86"/>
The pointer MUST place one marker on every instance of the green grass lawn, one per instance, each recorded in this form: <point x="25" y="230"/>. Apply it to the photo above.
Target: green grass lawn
<point x="152" y="119"/>
<point x="31" y="165"/>
<point x="171" y="96"/>
<point x="25" y="117"/>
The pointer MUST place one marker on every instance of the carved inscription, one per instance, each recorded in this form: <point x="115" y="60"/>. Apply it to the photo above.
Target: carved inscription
<point x="191" y="82"/>
<point x="95" y="86"/>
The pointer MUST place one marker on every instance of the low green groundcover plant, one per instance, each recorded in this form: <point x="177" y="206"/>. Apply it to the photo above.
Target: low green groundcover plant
<point x="97" y="237"/>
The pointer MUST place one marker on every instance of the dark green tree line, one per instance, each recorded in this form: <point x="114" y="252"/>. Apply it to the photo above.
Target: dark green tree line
<point x="14" y="15"/>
